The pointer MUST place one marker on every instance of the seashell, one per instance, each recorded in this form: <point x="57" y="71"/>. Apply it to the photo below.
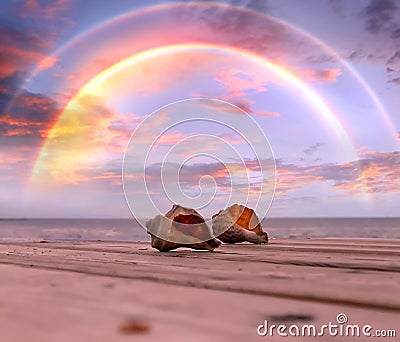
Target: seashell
<point x="180" y="227"/>
<point x="238" y="224"/>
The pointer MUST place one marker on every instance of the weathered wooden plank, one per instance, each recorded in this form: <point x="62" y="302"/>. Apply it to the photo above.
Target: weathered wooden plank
<point x="263" y="270"/>
<point x="38" y="305"/>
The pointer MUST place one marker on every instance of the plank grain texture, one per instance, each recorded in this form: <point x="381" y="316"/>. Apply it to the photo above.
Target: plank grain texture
<point x="112" y="291"/>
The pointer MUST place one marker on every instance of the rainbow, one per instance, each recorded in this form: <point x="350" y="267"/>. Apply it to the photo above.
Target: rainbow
<point x="168" y="6"/>
<point x="329" y="118"/>
<point x="326" y="112"/>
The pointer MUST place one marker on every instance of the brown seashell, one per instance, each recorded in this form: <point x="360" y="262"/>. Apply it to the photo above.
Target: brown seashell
<point x="180" y="227"/>
<point x="238" y="224"/>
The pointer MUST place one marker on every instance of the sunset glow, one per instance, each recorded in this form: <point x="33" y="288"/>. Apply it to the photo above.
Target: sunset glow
<point x="71" y="101"/>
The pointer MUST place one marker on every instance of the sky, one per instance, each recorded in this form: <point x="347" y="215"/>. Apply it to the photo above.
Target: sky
<point x="114" y="109"/>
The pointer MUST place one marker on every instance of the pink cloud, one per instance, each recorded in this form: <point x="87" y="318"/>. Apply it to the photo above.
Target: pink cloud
<point x="17" y="131"/>
<point x="374" y="172"/>
<point x="380" y="172"/>
<point x="47" y="62"/>
<point x="50" y="10"/>
<point x="243" y="103"/>
<point x="21" y="122"/>
<point x="16" y="59"/>
<point x="318" y="75"/>
<point x="238" y="82"/>
<point x="171" y="138"/>
<point x="12" y="157"/>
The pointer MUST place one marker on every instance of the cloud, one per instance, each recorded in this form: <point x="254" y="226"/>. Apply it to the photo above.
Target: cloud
<point x="395" y="80"/>
<point x="253" y="29"/>
<point x="9" y="85"/>
<point x="102" y="177"/>
<point x="189" y="175"/>
<point x="378" y="14"/>
<point x="319" y="75"/>
<point x="266" y="114"/>
<point x="395" y="58"/>
<point x="395" y="34"/>
<point x="393" y="67"/>
<point x="246" y="105"/>
<point x="233" y="20"/>
<point x="35" y="112"/>
<point x="379" y="173"/>
<point x="23" y="113"/>
<point x="47" y="62"/>
<point x="24" y="120"/>
<point x="15" y="166"/>
<point x="17" y="131"/>
<point x="79" y="146"/>
<point x="384" y="57"/>
<point x="28" y="44"/>
<point x="48" y="19"/>
<point x="20" y="51"/>
<point x="239" y="84"/>
<point x="22" y="37"/>
<point x="260" y="6"/>
<point x="313" y="148"/>
<point x="338" y="7"/>
<point x="356" y="54"/>
<point x="49" y="10"/>
<point x="18" y="155"/>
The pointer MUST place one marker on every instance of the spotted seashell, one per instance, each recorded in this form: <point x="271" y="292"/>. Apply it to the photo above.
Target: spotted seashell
<point x="238" y="224"/>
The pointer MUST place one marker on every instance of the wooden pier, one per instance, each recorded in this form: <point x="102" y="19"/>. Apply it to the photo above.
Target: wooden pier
<point x="119" y="291"/>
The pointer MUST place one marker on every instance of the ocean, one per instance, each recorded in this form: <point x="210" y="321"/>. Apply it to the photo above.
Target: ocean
<point x="130" y="230"/>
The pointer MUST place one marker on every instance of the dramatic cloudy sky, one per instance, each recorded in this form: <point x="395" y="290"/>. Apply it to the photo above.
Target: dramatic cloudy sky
<point x="319" y="78"/>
